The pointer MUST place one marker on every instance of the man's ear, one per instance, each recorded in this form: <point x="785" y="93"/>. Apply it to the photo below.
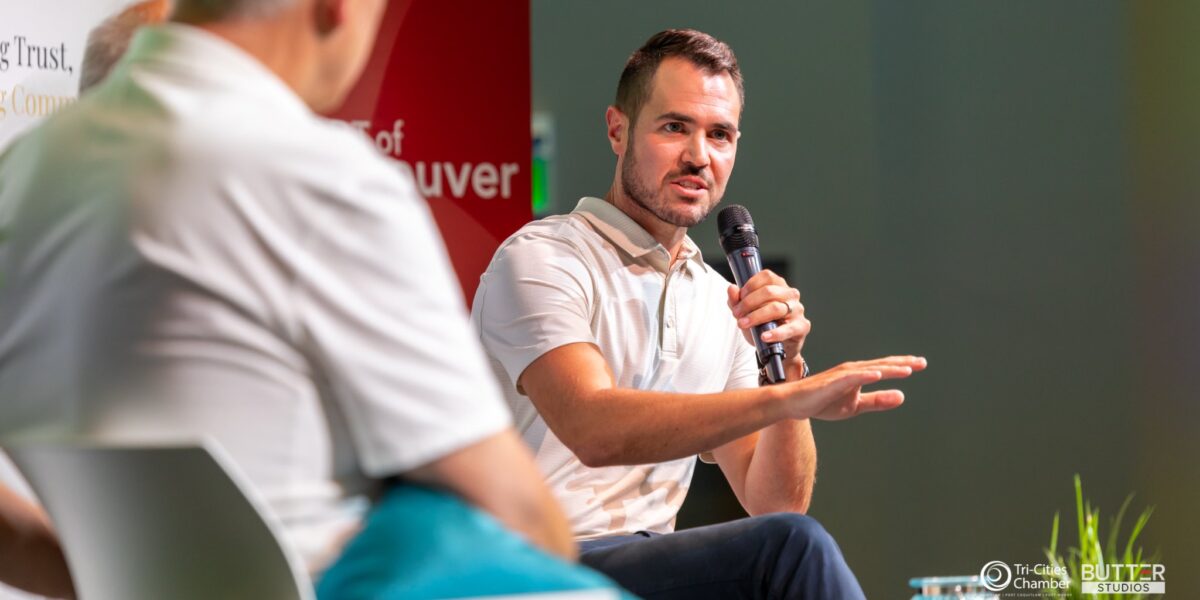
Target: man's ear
<point x="331" y="14"/>
<point x="618" y="129"/>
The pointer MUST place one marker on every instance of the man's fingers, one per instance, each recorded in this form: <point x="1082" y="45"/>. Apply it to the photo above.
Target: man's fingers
<point x="761" y="278"/>
<point x="789" y="330"/>
<point x="892" y="371"/>
<point x="775" y="311"/>
<point x="840" y="396"/>
<point x="779" y="311"/>
<point x="891" y="360"/>
<point x="849" y="379"/>
<point x="917" y="363"/>
<point x="753" y="299"/>
<point x="733" y="294"/>
<point x="880" y="400"/>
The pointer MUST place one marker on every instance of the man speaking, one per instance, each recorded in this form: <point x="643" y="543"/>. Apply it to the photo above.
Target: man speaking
<point x="623" y="356"/>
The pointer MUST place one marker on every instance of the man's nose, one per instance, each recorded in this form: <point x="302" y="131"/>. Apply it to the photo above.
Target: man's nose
<point x="695" y="153"/>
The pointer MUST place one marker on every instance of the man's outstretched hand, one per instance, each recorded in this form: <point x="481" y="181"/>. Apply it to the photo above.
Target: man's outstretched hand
<point x="837" y="394"/>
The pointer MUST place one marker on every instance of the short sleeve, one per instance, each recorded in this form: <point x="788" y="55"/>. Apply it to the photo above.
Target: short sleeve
<point x="536" y="296"/>
<point x="744" y="372"/>
<point x="386" y="325"/>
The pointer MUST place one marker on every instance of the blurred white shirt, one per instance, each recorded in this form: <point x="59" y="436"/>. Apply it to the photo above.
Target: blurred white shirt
<point x="194" y="253"/>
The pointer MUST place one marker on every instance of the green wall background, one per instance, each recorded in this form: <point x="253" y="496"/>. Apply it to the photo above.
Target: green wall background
<point x="1009" y="188"/>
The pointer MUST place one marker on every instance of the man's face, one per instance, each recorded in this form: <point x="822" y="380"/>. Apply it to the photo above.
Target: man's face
<point x="680" y="152"/>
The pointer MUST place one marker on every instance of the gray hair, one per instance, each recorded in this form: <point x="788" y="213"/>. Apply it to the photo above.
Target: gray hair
<point x="109" y="40"/>
<point x="225" y="10"/>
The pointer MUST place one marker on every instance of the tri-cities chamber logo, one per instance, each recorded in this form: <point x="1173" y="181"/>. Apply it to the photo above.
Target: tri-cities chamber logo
<point x="1055" y="581"/>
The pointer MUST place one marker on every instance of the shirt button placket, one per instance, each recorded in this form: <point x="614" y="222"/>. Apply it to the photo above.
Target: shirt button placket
<point x="670" y="332"/>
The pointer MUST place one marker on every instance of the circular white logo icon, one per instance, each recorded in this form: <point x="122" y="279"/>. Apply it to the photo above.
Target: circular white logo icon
<point x="996" y="575"/>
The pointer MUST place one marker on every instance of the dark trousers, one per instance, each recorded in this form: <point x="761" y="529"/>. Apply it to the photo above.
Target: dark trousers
<point x="783" y="555"/>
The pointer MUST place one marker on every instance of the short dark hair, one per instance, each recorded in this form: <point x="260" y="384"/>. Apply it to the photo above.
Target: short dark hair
<point x="701" y="49"/>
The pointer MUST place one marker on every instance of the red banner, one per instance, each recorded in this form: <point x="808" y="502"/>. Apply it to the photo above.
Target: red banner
<point x="447" y="95"/>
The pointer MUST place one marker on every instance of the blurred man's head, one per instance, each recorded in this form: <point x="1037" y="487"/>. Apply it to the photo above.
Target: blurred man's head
<point x="223" y="10"/>
<point x="109" y="40"/>
<point x="674" y="127"/>
<point x="318" y="47"/>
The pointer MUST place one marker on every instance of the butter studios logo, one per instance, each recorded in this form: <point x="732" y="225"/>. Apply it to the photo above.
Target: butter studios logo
<point x="1124" y="579"/>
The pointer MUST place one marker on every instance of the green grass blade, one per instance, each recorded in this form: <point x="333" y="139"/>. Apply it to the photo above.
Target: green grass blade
<point x="1079" y="510"/>
<point x="1054" y="535"/>
<point x="1089" y="535"/>
<point x="1073" y="564"/>
<point x="1137" y="528"/>
<point x="1111" y="547"/>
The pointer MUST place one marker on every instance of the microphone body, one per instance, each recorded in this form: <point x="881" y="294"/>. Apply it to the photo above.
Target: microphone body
<point x="739" y="240"/>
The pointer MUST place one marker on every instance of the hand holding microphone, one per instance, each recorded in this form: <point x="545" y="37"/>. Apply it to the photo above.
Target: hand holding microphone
<point x="768" y="310"/>
<point x="770" y="313"/>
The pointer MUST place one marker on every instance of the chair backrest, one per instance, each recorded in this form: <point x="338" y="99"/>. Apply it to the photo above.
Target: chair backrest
<point x="159" y="522"/>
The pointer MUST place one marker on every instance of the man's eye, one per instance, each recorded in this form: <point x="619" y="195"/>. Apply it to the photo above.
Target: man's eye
<point x="673" y="127"/>
<point x="721" y="135"/>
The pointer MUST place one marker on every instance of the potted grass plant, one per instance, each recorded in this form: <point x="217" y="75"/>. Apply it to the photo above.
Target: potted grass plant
<point x="1097" y="549"/>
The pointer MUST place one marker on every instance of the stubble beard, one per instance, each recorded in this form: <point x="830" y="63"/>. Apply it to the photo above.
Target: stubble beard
<point x="644" y="197"/>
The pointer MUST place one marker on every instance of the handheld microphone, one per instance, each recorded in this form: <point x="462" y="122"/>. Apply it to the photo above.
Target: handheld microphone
<point x="739" y="240"/>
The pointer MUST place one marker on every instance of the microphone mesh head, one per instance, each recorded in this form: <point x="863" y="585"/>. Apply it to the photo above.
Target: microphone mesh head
<point x="736" y="228"/>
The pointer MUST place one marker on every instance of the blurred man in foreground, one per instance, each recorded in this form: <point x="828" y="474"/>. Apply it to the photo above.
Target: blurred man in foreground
<point x="624" y="356"/>
<point x="109" y="40"/>
<point x="194" y="253"/>
<point x="30" y="557"/>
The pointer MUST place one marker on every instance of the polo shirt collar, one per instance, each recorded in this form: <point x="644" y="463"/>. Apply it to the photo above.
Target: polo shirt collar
<point x="612" y="223"/>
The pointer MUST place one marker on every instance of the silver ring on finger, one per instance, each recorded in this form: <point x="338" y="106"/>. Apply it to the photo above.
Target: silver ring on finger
<point x="787" y="308"/>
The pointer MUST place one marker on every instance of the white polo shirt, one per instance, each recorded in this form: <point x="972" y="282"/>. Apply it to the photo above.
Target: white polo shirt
<point x="596" y="276"/>
<point x="193" y="253"/>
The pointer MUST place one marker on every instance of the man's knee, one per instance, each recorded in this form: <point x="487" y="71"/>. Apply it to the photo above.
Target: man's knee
<point x="795" y="530"/>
